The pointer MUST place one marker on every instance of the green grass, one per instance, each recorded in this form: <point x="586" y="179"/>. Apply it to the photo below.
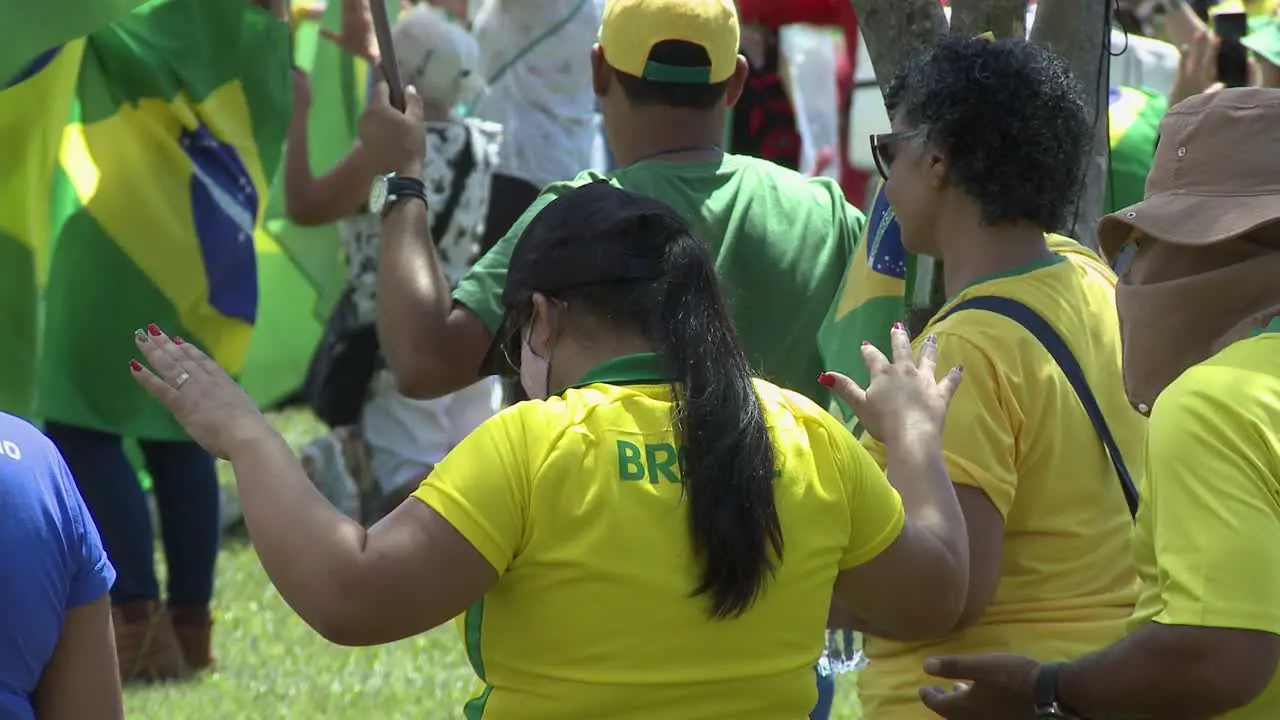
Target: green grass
<point x="271" y="665"/>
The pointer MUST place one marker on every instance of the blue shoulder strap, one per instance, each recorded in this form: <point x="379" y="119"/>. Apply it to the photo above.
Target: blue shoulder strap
<point x="1057" y="347"/>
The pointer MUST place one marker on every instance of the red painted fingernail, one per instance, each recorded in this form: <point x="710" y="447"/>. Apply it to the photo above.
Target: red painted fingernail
<point x="178" y="341"/>
<point x="153" y="329"/>
<point x="135" y="366"/>
<point x="826" y="379"/>
<point x="866" y="343"/>
<point x="899" y="326"/>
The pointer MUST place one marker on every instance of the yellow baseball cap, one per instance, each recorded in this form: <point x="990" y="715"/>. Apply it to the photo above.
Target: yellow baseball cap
<point x="631" y="28"/>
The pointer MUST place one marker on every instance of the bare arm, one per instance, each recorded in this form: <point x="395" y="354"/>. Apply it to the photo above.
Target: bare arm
<point x="311" y="200"/>
<point x="432" y="346"/>
<point x="916" y="588"/>
<point x="82" y="680"/>
<point x="407" y="574"/>
<point x="979" y="449"/>
<point x="1181" y="22"/>
<point x="978" y="453"/>
<point x="1172" y="671"/>
<point x="985" y="528"/>
<point x="340" y="192"/>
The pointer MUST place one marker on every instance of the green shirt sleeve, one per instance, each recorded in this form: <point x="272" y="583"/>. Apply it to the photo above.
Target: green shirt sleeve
<point x="480" y="290"/>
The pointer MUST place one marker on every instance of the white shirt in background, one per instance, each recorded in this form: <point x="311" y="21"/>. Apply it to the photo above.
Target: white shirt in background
<point x="543" y="99"/>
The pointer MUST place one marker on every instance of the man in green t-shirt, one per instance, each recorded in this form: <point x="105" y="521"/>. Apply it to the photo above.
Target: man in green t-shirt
<point x="666" y="74"/>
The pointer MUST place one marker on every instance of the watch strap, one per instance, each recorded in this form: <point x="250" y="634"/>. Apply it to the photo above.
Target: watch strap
<point x="1045" y="696"/>
<point x="1046" y="687"/>
<point x="400" y="187"/>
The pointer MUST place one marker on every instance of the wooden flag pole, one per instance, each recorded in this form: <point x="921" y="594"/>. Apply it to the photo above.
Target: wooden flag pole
<point x="387" y="53"/>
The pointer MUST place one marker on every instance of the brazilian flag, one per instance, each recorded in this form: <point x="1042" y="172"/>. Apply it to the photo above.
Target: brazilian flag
<point x="872" y="296"/>
<point x="176" y="128"/>
<point x="1134" y="115"/>
<point x="31" y="27"/>
<point x="34" y="102"/>
<point x="339" y="84"/>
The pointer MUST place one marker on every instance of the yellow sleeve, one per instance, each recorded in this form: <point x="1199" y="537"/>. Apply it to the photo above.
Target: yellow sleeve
<point x="876" y="515"/>
<point x="1213" y="505"/>
<point x="978" y="441"/>
<point x="482" y="487"/>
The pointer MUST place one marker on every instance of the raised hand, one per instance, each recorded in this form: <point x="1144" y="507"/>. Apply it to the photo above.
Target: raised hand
<point x="902" y="400"/>
<point x="355" y="35"/>
<point x="394" y="141"/>
<point x="1197" y="68"/>
<point x="209" y="405"/>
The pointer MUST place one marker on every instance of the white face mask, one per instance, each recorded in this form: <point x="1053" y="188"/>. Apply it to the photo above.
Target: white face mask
<point x="534" y="371"/>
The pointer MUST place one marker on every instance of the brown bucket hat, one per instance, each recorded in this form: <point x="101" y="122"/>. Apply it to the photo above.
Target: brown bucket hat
<point x="1216" y="173"/>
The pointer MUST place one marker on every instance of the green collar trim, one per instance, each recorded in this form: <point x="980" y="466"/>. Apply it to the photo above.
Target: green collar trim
<point x="1272" y="327"/>
<point x="1015" y="271"/>
<point x="639" y="369"/>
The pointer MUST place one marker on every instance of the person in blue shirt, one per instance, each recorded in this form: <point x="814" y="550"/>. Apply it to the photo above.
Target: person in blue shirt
<point x="57" y="650"/>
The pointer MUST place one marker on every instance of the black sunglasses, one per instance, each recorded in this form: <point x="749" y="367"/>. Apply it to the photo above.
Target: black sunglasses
<point x="884" y="149"/>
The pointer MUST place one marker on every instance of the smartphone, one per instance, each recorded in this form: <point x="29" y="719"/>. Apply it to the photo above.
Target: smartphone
<point x="1233" y="58"/>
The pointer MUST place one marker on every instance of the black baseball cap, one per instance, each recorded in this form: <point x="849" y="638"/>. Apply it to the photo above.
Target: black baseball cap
<point x="595" y="234"/>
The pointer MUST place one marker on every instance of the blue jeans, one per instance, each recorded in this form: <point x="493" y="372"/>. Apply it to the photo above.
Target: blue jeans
<point x="826" y="695"/>
<point x="186" y="493"/>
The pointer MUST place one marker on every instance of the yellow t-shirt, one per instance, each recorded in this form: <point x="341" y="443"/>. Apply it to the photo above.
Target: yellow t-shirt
<point x="1208" y="538"/>
<point x="576" y="502"/>
<point x="1017" y="431"/>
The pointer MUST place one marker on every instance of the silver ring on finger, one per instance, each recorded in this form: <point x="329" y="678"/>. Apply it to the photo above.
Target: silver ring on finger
<point x="181" y="380"/>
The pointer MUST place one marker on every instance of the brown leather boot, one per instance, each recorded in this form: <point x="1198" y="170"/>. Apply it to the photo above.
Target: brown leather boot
<point x="194" y="628"/>
<point x="146" y="645"/>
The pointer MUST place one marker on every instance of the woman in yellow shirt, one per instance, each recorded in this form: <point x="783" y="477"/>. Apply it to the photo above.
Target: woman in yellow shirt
<point x="657" y="538"/>
<point x="986" y="153"/>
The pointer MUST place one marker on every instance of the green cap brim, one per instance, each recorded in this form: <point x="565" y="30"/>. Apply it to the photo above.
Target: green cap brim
<point x="663" y="73"/>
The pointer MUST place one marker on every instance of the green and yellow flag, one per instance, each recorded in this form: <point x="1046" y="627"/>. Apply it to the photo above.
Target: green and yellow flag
<point x="32" y="27"/>
<point x="34" y="102"/>
<point x="302" y="273"/>
<point x="1134" y="116"/>
<point x="872" y="296"/>
<point x="177" y="126"/>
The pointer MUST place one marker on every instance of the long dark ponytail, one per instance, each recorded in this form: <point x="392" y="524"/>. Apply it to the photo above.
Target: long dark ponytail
<point x="726" y="451"/>
<point x="727" y="459"/>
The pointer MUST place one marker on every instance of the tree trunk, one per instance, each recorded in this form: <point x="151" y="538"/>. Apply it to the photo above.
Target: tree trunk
<point x="1003" y="18"/>
<point x="894" y="30"/>
<point x="1077" y="30"/>
<point x="1080" y="32"/>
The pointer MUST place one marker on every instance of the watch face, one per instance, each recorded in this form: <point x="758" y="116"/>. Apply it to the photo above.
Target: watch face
<point x="378" y="194"/>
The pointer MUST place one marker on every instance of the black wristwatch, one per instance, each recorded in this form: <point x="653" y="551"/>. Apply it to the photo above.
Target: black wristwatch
<point x="388" y="189"/>
<point x="1046" y="694"/>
